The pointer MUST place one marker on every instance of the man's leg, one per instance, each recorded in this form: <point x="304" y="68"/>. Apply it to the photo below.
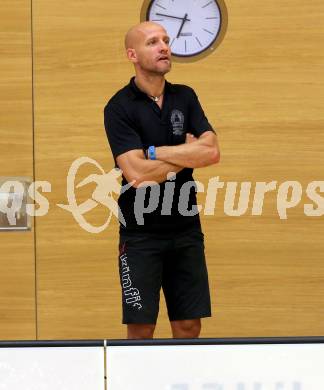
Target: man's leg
<point x="140" y="267"/>
<point x="140" y="331"/>
<point x="186" y="329"/>
<point x="185" y="284"/>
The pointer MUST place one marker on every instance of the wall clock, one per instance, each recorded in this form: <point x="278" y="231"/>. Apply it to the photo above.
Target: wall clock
<point x="195" y="27"/>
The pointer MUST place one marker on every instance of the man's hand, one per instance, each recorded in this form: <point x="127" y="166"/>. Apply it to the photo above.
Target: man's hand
<point x="194" y="153"/>
<point x="136" y="168"/>
<point x="190" y="138"/>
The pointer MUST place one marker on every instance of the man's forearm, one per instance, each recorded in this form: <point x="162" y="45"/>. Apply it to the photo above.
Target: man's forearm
<point x="154" y="171"/>
<point x="191" y="155"/>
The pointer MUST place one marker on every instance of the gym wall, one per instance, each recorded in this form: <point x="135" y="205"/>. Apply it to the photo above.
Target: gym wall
<point x="262" y="90"/>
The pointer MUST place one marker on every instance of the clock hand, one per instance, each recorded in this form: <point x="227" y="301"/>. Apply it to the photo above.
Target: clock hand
<point x="184" y="20"/>
<point x="171" y="16"/>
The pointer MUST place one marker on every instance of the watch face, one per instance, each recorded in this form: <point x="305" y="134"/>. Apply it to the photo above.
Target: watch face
<point x="193" y="25"/>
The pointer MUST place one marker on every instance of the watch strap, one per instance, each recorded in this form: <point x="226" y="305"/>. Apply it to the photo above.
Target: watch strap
<point x="151" y="153"/>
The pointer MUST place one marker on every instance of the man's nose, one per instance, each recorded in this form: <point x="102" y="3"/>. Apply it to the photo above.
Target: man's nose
<point x="164" y="46"/>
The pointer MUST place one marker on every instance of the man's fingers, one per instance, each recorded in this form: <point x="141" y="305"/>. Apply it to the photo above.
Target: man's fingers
<point x="190" y="138"/>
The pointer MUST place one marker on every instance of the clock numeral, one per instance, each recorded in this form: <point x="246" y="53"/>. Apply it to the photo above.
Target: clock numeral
<point x="206" y="5"/>
<point x="208" y="31"/>
<point x="158" y="5"/>
<point x="199" y="42"/>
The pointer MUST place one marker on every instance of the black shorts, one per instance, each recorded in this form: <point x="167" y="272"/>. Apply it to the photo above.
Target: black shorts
<point x="175" y="262"/>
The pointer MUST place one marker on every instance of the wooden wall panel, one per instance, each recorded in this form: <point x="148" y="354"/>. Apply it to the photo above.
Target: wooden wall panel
<point x="262" y="90"/>
<point x="17" y="262"/>
<point x="76" y="54"/>
<point x="265" y="94"/>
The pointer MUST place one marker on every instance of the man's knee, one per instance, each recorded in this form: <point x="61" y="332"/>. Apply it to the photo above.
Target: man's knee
<point x="186" y="328"/>
<point x="140" y="331"/>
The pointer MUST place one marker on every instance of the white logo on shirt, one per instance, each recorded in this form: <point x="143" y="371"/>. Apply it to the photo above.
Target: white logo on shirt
<point x="177" y="120"/>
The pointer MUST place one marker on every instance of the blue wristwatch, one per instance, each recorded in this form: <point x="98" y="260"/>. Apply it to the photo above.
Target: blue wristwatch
<point x="151" y="153"/>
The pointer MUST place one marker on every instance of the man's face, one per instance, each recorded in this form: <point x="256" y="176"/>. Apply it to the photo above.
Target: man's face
<point x="152" y="51"/>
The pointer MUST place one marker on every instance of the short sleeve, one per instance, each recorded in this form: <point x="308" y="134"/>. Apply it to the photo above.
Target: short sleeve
<point x="198" y="120"/>
<point x="120" y="130"/>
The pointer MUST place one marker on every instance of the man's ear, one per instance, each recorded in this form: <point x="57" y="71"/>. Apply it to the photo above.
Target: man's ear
<point x="131" y="55"/>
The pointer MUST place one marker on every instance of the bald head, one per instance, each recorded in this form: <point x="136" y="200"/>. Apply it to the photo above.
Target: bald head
<point x="137" y="33"/>
<point x="147" y="47"/>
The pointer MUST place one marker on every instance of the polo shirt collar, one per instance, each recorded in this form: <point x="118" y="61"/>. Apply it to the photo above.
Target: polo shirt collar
<point x="135" y="92"/>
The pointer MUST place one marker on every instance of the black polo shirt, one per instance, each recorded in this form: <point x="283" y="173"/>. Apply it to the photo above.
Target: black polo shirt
<point x="134" y="121"/>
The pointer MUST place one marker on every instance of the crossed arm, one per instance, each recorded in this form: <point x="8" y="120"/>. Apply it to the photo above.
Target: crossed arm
<point x="194" y="153"/>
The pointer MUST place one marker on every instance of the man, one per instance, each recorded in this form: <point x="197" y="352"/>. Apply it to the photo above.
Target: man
<point x="158" y="133"/>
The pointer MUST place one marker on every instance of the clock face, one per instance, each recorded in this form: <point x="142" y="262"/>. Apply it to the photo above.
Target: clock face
<point x="193" y="25"/>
